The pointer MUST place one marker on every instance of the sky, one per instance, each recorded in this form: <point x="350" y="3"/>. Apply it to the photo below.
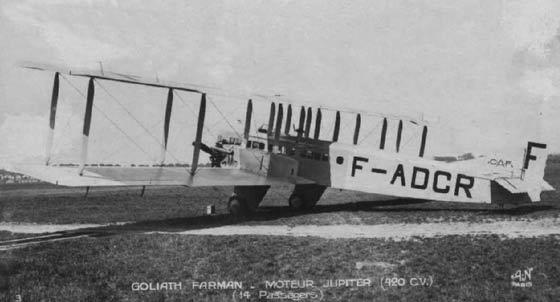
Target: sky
<point x="485" y="74"/>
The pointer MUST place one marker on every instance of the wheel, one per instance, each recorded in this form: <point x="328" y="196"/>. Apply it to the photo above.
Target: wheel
<point x="309" y="204"/>
<point x="248" y="199"/>
<point x="305" y="197"/>
<point x="236" y="207"/>
<point x="296" y="202"/>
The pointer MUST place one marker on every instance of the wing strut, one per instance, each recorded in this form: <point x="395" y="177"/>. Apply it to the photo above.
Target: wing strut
<point x="399" y="136"/>
<point x="301" y="122"/>
<point x="278" y="127"/>
<point x="248" y="116"/>
<point x="357" y="129"/>
<point x="199" y="128"/>
<point x="308" y="122"/>
<point x="271" y="119"/>
<point x="383" y="134"/>
<point x="288" y="120"/>
<point x="317" y="124"/>
<point x="269" y="134"/>
<point x="336" y="127"/>
<point x="168" y="109"/>
<point x="87" y="125"/>
<point x="423" y="142"/>
<point x="52" y="119"/>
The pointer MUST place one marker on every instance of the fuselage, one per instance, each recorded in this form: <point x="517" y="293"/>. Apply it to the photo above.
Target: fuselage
<point x="374" y="171"/>
<point x="362" y="168"/>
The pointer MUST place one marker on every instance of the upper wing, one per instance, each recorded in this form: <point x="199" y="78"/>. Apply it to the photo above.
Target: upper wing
<point x="151" y="176"/>
<point x="154" y="82"/>
<point x="113" y="76"/>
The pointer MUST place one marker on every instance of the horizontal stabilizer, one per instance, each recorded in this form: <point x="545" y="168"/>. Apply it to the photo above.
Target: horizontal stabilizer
<point x="517" y="185"/>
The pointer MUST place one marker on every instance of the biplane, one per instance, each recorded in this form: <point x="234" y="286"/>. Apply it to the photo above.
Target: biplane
<point x="285" y="153"/>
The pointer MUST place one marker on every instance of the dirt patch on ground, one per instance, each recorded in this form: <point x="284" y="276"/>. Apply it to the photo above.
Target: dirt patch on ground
<point x="33" y="228"/>
<point x="394" y="231"/>
<point x="511" y="229"/>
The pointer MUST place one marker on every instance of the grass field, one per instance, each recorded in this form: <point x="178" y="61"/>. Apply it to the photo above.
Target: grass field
<point x="464" y="268"/>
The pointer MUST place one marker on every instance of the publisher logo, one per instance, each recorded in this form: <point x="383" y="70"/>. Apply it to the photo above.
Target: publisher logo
<point x="522" y="278"/>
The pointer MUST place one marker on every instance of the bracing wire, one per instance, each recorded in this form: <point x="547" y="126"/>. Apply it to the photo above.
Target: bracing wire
<point x="346" y="124"/>
<point x="330" y="129"/>
<point x="225" y="119"/>
<point x="120" y="150"/>
<point x="158" y="141"/>
<point x="370" y="132"/>
<point x="109" y="119"/>
<point x="411" y="137"/>
<point x="195" y="114"/>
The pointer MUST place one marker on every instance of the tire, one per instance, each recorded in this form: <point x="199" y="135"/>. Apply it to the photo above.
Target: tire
<point x="308" y="204"/>
<point x="296" y="202"/>
<point x="236" y="207"/>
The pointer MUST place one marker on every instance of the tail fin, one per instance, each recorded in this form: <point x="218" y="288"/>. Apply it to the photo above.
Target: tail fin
<point x="532" y="173"/>
<point x="534" y="161"/>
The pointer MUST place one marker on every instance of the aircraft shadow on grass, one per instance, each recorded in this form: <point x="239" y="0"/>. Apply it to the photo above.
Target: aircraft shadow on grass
<point x="173" y="225"/>
<point x="177" y="225"/>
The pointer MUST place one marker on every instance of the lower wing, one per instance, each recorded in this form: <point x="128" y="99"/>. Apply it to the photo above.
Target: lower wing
<point x="151" y="176"/>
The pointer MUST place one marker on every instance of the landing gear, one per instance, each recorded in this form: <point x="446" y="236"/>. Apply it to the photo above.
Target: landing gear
<point x="296" y="202"/>
<point x="305" y="197"/>
<point x="235" y="206"/>
<point x="246" y="199"/>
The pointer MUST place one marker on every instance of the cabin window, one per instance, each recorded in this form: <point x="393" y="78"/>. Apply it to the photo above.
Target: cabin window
<point x="234" y="141"/>
<point x="325" y="157"/>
